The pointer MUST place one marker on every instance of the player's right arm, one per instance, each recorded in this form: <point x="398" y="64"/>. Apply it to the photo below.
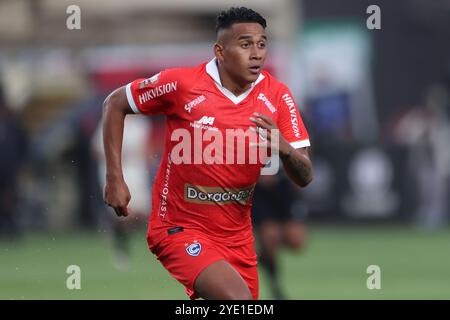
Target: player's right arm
<point x="116" y="192"/>
<point x="155" y="95"/>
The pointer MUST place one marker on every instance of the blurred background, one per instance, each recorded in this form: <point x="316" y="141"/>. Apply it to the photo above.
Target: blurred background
<point x="375" y="102"/>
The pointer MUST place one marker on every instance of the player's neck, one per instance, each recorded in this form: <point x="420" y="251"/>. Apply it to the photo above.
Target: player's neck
<point x="233" y="86"/>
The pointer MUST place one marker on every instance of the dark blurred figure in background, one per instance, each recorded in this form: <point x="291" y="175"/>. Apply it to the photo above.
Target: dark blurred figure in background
<point x="328" y="109"/>
<point x="426" y="131"/>
<point x="13" y="147"/>
<point x="278" y="222"/>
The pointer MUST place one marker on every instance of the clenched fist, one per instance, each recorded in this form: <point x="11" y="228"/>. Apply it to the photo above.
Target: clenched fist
<point x="117" y="196"/>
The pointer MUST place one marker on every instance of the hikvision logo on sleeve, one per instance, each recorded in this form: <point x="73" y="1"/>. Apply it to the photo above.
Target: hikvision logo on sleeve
<point x="292" y="110"/>
<point x="158" y="91"/>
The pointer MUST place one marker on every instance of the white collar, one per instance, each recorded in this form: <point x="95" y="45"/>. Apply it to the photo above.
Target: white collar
<point x="213" y="71"/>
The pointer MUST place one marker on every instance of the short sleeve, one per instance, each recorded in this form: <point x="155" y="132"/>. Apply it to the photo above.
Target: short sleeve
<point x="155" y="95"/>
<point x="290" y="122"/>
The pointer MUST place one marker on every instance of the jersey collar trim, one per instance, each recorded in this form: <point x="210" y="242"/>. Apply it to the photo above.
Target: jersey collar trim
<point x="213" y="71"/>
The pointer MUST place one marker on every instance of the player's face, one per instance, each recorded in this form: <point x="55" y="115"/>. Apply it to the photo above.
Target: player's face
<point x="243" y="51"/>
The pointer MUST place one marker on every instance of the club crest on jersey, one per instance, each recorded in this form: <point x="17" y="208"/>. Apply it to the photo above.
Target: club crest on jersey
<point x="194" y="249"/>
<point x="148" y="81"/>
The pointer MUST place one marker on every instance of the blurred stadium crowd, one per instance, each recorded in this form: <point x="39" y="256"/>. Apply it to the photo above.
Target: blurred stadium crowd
<point x="375" y="102"/>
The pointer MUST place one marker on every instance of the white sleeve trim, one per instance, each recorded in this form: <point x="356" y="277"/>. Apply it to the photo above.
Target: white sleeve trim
<point x="300" y="144"/>
<point x="131" y="99"/>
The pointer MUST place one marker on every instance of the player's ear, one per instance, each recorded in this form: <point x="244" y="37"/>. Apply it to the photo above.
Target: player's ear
<point x="218" y="52"/>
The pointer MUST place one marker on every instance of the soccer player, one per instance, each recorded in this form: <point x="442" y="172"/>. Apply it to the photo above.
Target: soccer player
<point x="200" y="226"/>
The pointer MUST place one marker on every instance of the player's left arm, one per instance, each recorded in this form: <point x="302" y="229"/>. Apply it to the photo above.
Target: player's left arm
<point x="298" y="165"/>
<point x="296" y="161"/>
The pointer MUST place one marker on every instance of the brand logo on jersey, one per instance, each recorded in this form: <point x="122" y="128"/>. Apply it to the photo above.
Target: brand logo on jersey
<point x="292" y="110"/>
<point x="158" y="91"/>
<point x="266" y="101"/>
<point x="148" y="81"/>
<point x="216" y="195"/>
<point x="194" y="249"/>
<point x="206" y="120"/>
<point x="189" y="106"/>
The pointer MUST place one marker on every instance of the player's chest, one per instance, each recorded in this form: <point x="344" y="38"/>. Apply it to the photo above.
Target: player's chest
<point x="208" y="109"/>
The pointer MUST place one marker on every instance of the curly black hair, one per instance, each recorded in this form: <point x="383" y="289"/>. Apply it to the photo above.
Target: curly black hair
<point x="235" y="15"/>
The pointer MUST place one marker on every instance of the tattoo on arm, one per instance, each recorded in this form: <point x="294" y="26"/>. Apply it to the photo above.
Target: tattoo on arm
<point x="298" y="167"/>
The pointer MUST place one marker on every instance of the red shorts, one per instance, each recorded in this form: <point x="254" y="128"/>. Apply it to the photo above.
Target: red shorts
<point x="186" y="253"/>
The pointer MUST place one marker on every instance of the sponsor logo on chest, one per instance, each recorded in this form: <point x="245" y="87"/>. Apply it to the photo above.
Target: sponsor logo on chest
<point x="266" y="101"/>
<point x="205" y="122"/>
<point x="189" y="106"/>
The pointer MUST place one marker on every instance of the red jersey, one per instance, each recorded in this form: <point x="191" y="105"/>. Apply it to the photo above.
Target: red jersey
<point x="213" y="197"/>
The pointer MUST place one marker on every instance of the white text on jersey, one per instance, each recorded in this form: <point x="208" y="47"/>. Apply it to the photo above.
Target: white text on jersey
<point x="188" y="106"/>
<point x="266" y="101"/>
<point x="294" y="121"/>
<point x="158" y="91"/>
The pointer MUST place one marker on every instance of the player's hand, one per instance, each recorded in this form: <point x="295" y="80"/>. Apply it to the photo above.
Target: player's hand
<point x="117" y="196"/>
<point x="264" y="122"/>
